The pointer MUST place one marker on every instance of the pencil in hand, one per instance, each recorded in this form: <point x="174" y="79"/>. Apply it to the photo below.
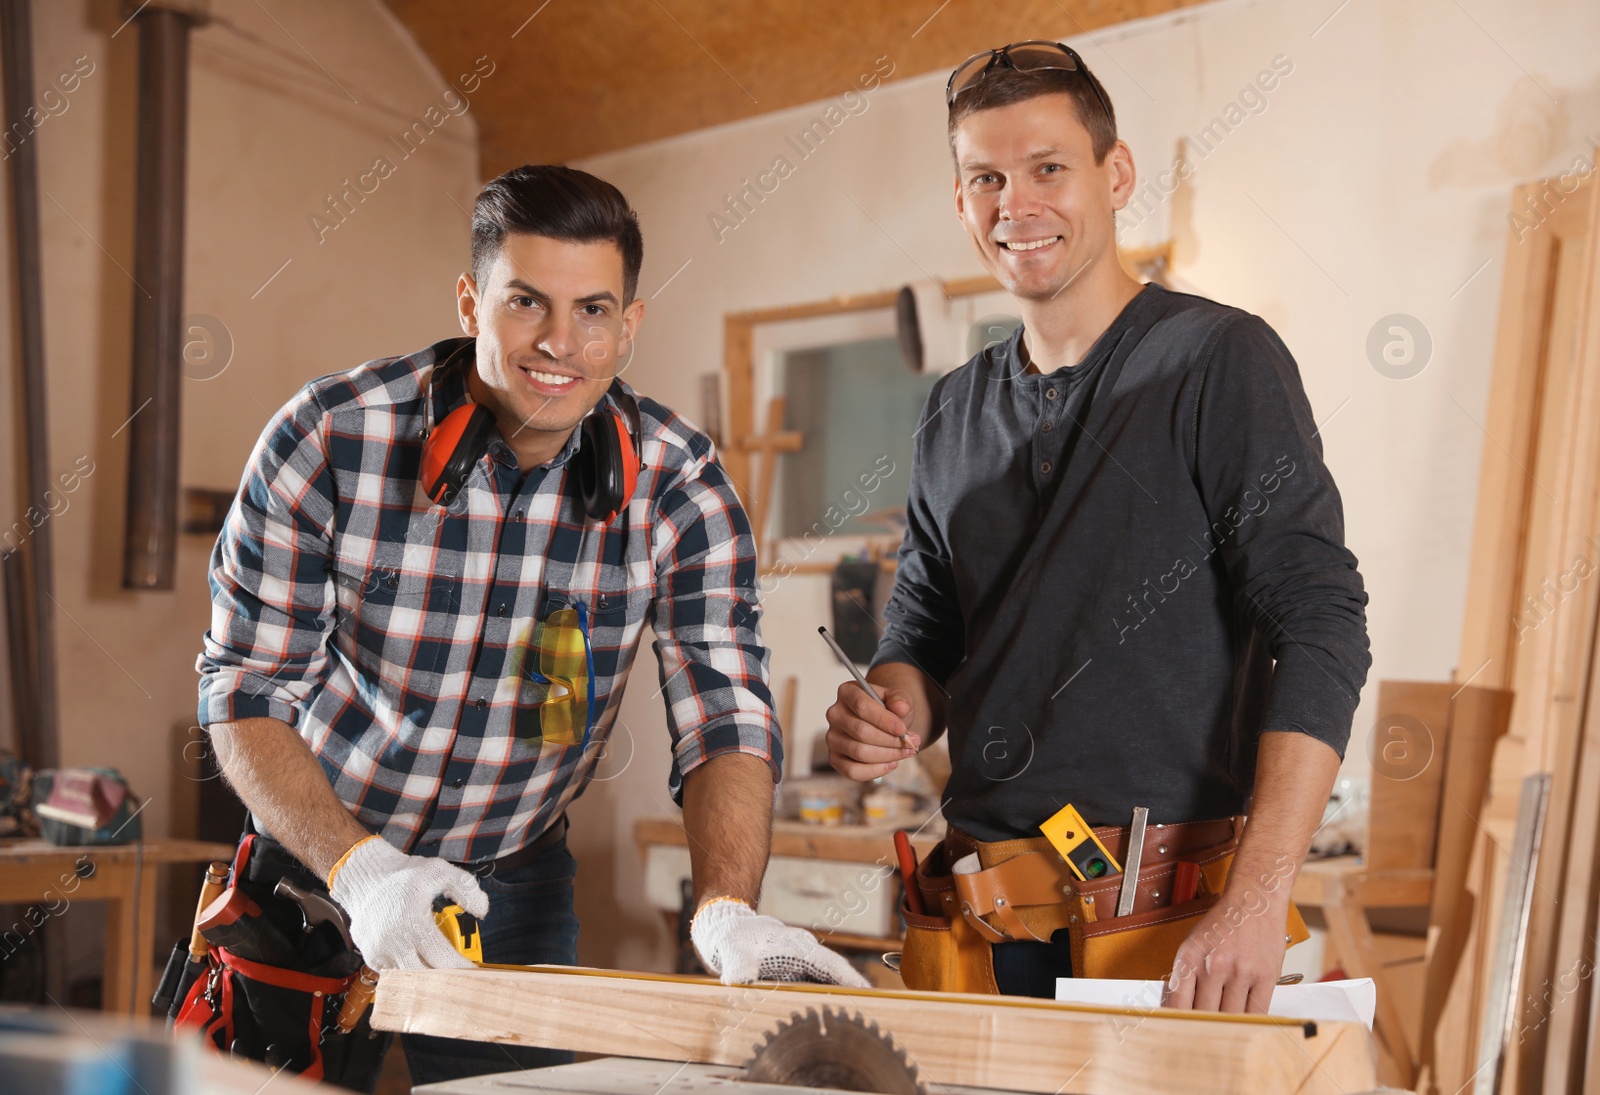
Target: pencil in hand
<point x="844" y="660"/>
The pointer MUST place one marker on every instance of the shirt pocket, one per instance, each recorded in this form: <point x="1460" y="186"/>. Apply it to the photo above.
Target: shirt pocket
<point x="393" y="622"/>
<point x="617" y="617"/>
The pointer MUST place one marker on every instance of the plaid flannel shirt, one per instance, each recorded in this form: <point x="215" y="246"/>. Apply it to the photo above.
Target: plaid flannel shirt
<point x="385" y="628"/>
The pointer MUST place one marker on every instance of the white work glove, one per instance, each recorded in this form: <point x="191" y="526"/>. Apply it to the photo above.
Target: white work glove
<point x="389" y="896"/>
<point x="740" y="945"/>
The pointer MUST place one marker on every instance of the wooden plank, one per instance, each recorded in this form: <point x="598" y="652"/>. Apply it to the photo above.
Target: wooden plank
<point x="1529" y="624"/>
<point x="1570" y="1005"/>
<point x="1371" y="889"/>
<point x="738" y="367"/>
<point x="1478" y="719"/>
<point x="850" y="843"/>
<point x="1407" y="773"/>
<point x="1505" y="486"/>
<point x="984" y="1041"/>
<point x="155" y="850"/>
<point x="1561" y="931"/>
<point x="1351" y="936"/>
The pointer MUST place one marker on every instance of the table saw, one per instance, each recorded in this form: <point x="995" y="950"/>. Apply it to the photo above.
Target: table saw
<point x="695" y="1034"/>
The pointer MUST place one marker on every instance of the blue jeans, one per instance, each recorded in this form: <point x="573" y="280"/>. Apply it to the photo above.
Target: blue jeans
<point x="531" y="921"/>
<point x="1030" y="969"/>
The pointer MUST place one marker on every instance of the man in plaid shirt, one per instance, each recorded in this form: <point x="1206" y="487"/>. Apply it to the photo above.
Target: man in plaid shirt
<point x="372" y="679"/>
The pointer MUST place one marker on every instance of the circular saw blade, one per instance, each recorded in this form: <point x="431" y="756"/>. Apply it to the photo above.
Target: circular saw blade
<point x="833" y="1049"/>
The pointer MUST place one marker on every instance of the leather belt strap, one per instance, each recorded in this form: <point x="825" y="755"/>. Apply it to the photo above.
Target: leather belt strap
<point x="523" y="855"/>
<point x="1029" y="873"/>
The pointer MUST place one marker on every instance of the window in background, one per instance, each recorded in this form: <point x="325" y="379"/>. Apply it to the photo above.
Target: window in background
<point x="858" y="407"/>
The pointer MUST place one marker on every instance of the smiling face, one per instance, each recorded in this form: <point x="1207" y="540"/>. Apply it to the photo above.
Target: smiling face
<point x="1038" y="208"/>
<point x="551" y="326"/>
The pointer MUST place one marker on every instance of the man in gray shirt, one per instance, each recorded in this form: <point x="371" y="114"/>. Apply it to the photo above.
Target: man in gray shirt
<point x="1124" y="580"/>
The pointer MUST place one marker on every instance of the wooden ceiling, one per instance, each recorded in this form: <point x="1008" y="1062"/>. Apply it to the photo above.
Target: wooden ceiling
<point x="573" y="78"/>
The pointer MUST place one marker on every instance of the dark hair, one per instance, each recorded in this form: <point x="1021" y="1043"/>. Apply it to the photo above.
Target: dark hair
<point x="562" y="203"/>
<point x="1004" y="86"/>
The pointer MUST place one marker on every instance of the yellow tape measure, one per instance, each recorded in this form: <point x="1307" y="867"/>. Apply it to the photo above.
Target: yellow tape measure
<point x="461" y="928"/>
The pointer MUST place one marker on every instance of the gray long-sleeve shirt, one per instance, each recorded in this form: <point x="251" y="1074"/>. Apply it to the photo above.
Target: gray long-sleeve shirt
<point x="1124" y="571"/>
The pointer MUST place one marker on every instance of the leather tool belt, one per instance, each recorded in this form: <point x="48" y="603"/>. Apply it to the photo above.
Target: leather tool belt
<point x="1024" y="891"/>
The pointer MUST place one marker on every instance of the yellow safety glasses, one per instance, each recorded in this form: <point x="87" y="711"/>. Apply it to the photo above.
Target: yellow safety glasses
<point x="555" y="667"/>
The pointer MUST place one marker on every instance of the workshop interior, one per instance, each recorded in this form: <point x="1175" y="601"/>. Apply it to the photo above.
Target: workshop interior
<point x="662" y="546"/>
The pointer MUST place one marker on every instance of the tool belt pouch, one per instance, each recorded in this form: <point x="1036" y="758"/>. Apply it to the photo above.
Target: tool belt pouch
<point x="1026" y="891"/>
<point x="272" y="992"/>
<point x="942" y="952"/>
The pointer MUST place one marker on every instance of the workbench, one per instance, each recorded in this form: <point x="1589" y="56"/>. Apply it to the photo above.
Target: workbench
<point x="1004" y="1043"/>
<point x="52" y="878"/>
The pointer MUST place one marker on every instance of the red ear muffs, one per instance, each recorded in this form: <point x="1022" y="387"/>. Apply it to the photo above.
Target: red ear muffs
<point x="607" y="465"/>
<point x="451" y="450"/>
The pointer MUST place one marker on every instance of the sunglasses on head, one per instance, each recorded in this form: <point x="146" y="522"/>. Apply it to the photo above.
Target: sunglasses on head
<point x="1030" y="56"/>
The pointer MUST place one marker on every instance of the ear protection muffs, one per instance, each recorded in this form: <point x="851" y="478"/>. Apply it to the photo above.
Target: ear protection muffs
<point x="607" y="463"/>
<point x="452" y="448"/>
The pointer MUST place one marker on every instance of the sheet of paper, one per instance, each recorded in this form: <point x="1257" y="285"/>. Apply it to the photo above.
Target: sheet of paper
<point x="1327" y="1001"/>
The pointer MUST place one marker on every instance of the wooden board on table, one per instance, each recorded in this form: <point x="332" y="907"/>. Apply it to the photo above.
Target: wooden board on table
<point x="982" y="1041"/>
<point x="872" y="844"/>
<point x="1407" y="773"/>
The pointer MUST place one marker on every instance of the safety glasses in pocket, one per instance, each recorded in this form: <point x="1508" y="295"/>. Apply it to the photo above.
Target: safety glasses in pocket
<point x="555" y="671"/>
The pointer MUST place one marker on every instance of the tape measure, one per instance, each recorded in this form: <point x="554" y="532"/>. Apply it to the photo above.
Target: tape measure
<point x="460" y="927"/>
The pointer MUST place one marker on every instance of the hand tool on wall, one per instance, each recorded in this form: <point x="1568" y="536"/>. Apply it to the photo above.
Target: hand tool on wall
<point x="844" y="660"/>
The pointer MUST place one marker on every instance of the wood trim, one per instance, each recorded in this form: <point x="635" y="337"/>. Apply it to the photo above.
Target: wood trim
<point x="848" y="844"/>
<point x="985" y="1041"/>
<point x="738" y="357"/>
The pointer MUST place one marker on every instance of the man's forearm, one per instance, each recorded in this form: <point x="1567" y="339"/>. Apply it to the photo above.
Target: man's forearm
<point x="727" y="814"/>
<point x="1294" y="775"/>
<point x="273" y="771"/>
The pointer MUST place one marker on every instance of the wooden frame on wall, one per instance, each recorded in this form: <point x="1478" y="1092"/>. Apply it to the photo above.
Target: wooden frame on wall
<point x="739" y="335"/>
<point x="739" y="366"/>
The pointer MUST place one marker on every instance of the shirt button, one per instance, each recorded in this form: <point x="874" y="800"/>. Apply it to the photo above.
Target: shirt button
<point x="501" y="611"/>
<point x="482" y="703"/>
<point x="1048" y="425"/>
<point x="457" y="783"/>
<point x="1043" y="468"/>
<point x="1049" y="393"/>
<point x="516" y="513"/>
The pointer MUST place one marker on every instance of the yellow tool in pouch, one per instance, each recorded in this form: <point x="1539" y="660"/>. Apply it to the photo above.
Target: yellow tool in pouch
<point x="1069" y="835"/>
<point x="460" y="927"/>
<point x="1033" y="888"/>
